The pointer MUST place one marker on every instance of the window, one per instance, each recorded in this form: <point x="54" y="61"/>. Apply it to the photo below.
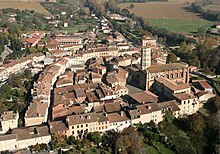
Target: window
<point x="77" y="126"/>
<point x="86" y="125"/>
<point x="72" y="127"/>
<point x="81" y="126"/>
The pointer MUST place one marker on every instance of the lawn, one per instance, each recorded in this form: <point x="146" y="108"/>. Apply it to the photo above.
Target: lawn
<point x="181" y="25"/>
<point x="25" y="6"/>
<point x="94" y="150"/>
<point x="162" y="149"/>
<point x="151" y="150"/>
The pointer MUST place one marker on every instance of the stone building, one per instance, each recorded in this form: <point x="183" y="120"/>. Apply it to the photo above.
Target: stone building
<point x="145" y="58"/>
<point x="176" y="72"/>
<point x="8" y="120"/>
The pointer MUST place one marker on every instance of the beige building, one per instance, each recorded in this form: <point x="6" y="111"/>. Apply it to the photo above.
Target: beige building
<point x="118" y="121"/>
<point x="101" y="52"/>
<point x="31" y="136"/>
<point x="8" y="142"/>
<point x="176" y="72"/>
<point x="145" y="113"/>
<point x="8" y="120"/>
<point x="90" y="122"/>
<point x="21" y="138"/>
<point x="37" y="112"/>
<point x="15" y="66"/>
<point x="188" y="103"/>
<point x="168" y="88"/>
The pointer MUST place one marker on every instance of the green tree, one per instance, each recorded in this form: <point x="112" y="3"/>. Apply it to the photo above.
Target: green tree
<point x="130" y="141"/>
<point x="71" y="140"/>
<point x="197" y="123"/>
<point x="131" y="6"/>
<point x="202" y="31"/>
<point x="171" y="58"/>
<point x="15" y="44"/>
<point x="58" y="140"/>
<point x="95" y="137"/>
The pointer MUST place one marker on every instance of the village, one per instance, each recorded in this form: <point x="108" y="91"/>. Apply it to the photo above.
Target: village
<point x="85" y="86"/>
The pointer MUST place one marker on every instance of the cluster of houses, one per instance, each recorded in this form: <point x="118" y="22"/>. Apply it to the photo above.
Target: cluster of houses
<point x="11" y="67"/>
<point x="85" y="86"/>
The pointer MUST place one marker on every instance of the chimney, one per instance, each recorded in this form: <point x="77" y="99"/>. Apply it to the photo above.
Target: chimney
<point x="148" y="107"/>
<point x="122" y="113"/>
<point x="106" y="114"/>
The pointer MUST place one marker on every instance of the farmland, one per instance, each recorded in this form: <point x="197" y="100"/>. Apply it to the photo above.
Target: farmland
<point x="161" y="10"/>
<point x="25" y="5"/>
<point x="175" y="17"/>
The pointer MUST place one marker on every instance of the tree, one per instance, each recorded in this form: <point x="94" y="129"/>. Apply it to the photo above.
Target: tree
<point x="131" y="6"/>
<point x="108" y="139"/>
<point x="202" y="31"/>
<point x="130" y="141"/>
<point x="171" y="58"/>
<point x="2" y="107"/>
<point x="36" y="147"/>
<point x="212" y="132"/>
<point x="197" y="123"/>
<point x="15" y="44"/>
<point x="6" y="91"/>
<point x="95" y="137"/>
<point x="71" y="140"/>
<point x="169" y="117"/>
<point x="58" y="140"/>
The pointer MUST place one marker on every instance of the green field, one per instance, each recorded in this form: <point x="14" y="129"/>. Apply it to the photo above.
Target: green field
<point x="161" y="148"/>
<point x="181" y="25"/>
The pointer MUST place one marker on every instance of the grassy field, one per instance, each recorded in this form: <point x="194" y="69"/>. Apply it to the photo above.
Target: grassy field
<point x="25" y="5"/>
<point x="175" y="15"/>
<point x="163" y="150"/>
<point x="165" y="10"/>
<point x="181" y="25"/>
